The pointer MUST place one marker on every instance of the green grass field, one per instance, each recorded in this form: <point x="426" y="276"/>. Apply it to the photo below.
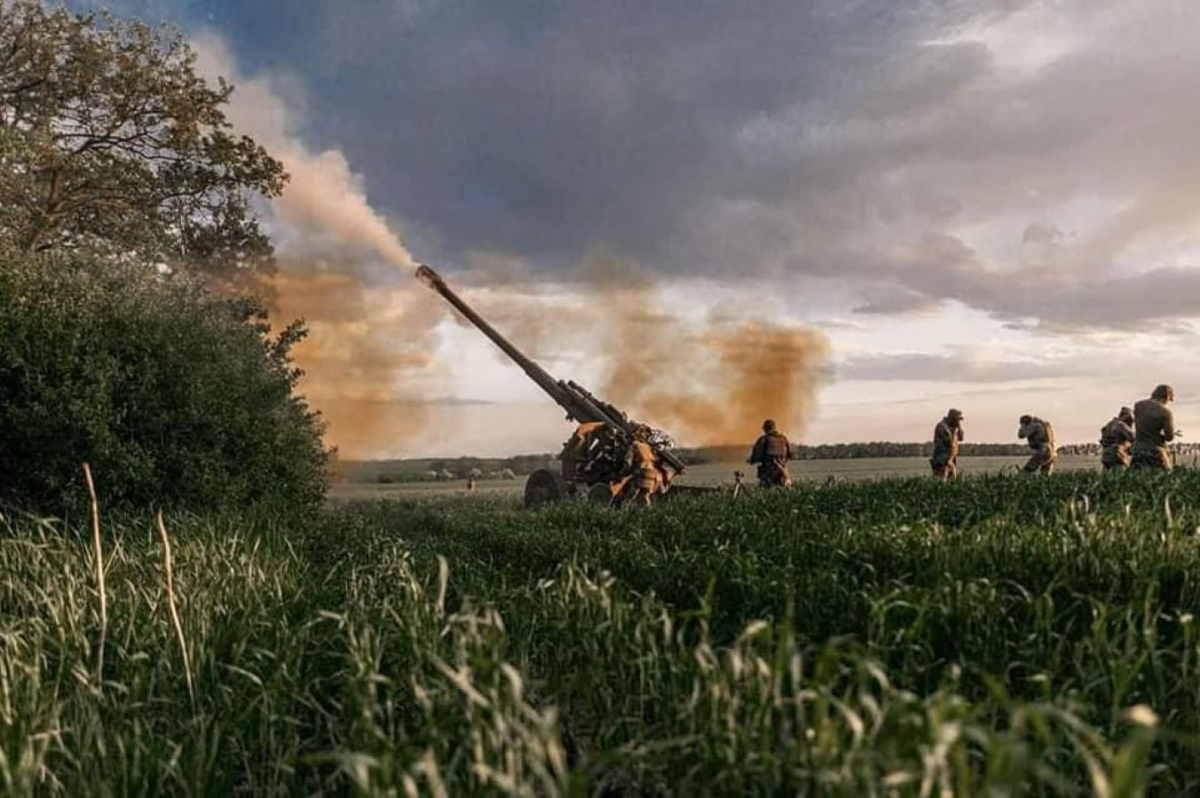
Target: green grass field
<point x="1000" y="635"/>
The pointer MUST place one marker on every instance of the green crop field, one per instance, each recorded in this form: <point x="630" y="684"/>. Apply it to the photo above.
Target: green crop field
<point x="1002" y="635"/>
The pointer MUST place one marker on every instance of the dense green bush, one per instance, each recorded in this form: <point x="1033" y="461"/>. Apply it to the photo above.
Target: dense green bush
<point x="176" y="397"/>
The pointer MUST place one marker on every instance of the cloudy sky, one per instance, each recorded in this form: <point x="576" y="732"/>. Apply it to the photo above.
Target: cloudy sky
<point x="991" y="205"/>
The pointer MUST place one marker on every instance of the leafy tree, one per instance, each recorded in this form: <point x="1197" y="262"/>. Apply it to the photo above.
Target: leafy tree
<point x="176" y="396"/>
<point x="111" y="143"/>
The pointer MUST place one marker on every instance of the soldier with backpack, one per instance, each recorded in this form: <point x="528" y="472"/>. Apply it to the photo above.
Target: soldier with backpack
<point x="1039" y="435"/>
<point x="771" y="454"/>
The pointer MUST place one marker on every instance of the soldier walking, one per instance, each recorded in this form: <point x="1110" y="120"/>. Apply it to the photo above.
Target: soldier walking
<point x="1154" y="423"/>
<point x="947" y="436"/>
<point x="771" y="454"/>
<point x="1116" y="441"/>
<point x="1039" y="435"/>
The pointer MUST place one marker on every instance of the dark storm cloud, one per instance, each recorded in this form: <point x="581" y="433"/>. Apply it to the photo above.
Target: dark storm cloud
<point x="1034" y="161"/>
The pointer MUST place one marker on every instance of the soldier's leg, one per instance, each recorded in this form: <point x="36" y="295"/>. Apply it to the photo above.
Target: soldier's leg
<point x="768" y="477"/>
<point x="1156" y="459"/>
<point x="1033" y="465"/>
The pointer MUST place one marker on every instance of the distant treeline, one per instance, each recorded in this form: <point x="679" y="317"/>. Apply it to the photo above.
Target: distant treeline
<point x="851" y="451"/>
<point x="440" y="469"/>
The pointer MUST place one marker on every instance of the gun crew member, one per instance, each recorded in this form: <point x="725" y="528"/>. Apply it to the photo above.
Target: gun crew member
<point x="947" y="437"/>
<point x="1039" y="435"/>
<point x="1116" y="441"/>
<point x="1154" y="424"/>
<point x="647" y="476"/>
<point x="771" y="454"/>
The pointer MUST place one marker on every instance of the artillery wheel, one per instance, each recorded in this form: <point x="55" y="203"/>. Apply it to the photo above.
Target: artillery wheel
<point x="600" y="493"/>
<point x="544" y="487"/>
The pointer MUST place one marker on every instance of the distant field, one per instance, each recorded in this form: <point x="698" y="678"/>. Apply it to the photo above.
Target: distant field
<point x="711" y="474"/>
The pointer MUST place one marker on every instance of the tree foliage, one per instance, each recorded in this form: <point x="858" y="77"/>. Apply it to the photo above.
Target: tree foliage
<point x="176" y="396"/>
<point x="111" y="143"/>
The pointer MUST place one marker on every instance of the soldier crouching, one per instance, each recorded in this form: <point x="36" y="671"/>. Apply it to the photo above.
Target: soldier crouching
<point x="1116" y="441"/>
<point x="1039" y="435"/>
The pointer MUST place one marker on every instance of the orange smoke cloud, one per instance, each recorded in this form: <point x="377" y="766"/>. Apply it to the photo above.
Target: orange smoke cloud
<point x="708" y="379"/>
<point x="368" y="359"/>
<point x="711" y="381"/>
<point x="717" y="387"/>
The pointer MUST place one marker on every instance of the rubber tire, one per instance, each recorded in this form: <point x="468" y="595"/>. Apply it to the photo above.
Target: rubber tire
<point x="544" y="487"/>
<point x="601" y="493"/>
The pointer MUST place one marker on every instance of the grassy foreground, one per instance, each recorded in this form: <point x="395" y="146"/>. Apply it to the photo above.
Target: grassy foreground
<point x="1007" y="634"/>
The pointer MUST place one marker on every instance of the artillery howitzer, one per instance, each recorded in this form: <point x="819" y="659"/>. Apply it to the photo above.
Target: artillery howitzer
<point x="594" y="459"/>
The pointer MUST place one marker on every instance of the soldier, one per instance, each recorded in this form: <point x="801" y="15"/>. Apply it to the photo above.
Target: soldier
<point x="771" y="454"/>
<point x="1116" y="441"/>
<point x="646" y="478"/>
<point x="1155" y="428"/>
<point x="1040" y="437"/>
<point x="947" y="436"/>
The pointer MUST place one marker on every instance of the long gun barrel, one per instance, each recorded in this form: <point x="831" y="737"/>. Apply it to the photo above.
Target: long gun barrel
<point x="579" y="404"/>
<point x="535" y="372"/>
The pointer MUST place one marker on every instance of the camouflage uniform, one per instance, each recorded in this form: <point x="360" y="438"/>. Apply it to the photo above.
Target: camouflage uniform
<point x="645" y="478"/>
<point x="1040" y="437"/>
<point x="771" y="454"/>
<point x="947" y="436"/>
<point x="1116" y="442"/>
<point x="1155" y="428"/>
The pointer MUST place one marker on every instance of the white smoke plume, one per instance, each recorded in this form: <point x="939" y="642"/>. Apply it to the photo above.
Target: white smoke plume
<point x="324" y="197"/>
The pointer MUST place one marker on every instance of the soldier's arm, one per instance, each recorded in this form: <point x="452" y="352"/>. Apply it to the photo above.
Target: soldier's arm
<point x="756" y="452"/>
<point x="787" y="448"/>
<point x="1168" y="427"/>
